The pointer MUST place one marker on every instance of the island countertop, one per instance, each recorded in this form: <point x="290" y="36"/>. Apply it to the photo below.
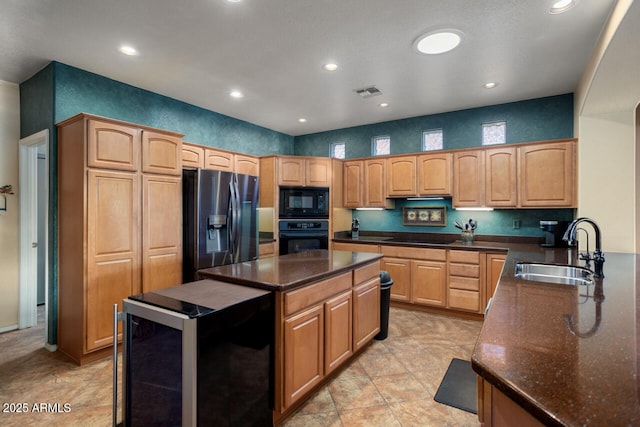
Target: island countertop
<point x="562" y="352"/>
<point x="287" y="272"/>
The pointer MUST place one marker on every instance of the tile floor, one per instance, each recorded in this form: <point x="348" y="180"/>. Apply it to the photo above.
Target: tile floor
<point x="392" y="383"/>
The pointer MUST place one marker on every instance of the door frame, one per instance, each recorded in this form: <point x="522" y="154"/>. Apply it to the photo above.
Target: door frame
<point x="28" y="174"/>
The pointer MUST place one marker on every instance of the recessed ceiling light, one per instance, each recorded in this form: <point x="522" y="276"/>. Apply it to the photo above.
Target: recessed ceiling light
<point x="128" y="50"/>
<point x="330" y="67"/>
<point x="234" y="1"/>
<point x="302" y="120"/>
<point x="562" y="6"/>
<point x="490" y="85"/>
<point x="437" y="42"/>
<point x="236" y="94"/>
<point x="383" y="105"/>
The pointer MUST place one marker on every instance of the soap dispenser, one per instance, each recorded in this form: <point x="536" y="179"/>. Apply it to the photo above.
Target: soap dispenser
<point x="355" y="228"/>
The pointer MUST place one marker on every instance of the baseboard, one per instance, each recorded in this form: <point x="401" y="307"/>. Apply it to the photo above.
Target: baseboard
<point x="51" y="347"/>
<point x="8" y="328"/>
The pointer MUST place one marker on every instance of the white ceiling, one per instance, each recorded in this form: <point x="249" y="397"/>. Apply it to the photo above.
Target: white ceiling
<point x="196" y="51"/>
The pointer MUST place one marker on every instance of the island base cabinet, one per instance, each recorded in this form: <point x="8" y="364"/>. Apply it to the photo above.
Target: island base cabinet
<point x="338" y="330"/>
<point x="303" y="351"/>
<point x="495" y="409"/>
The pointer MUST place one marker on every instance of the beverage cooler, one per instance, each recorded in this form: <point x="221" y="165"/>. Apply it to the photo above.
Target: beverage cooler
<point x="199" y="354"/>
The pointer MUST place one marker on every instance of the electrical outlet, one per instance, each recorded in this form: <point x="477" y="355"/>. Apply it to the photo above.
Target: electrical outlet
<point x="516" y="224"/>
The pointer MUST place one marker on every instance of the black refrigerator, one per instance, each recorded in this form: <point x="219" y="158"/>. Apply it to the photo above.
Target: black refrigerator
<point x="220" y="220"/>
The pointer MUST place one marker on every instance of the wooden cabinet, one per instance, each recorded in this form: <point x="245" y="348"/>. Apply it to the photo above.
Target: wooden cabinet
<point x="495" y="409"/>
<point x="465" y="281"/>
<point x="401" y="176"/>
<point x="494" y="264"/>
<point x="353" y="179"/>
<point x="218" y="159"/>
<point x="120" y="218"/>
<point x="320" y="326"/>
<point x="192" y="156"/>
<point x="468" y="178"/>
<point x="547" y="175"/>
<point x="500" y="177"/>
<point x="434" y="174"/>
<point x="375" y="194"/>
<point x="355" y="247"/>
<point x="304" y="171"/>
<point x="266" y="250"/>
<point x="303" y="352"/>
<point x="418" y="274"/>
<point x="248" y="165"/>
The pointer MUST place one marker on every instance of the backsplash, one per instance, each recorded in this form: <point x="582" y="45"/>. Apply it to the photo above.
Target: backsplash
<point x="497" y="222"/>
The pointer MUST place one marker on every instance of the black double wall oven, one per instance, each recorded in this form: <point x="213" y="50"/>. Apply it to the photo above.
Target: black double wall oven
<point x="304" y="219"/>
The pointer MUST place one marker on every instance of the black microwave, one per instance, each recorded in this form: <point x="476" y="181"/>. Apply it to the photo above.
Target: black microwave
<point x="304" y="202"/>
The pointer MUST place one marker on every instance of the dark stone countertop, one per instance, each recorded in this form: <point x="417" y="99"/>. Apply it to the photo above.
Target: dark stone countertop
<point x="286" y="272"/>
<point x="585" y="374"/>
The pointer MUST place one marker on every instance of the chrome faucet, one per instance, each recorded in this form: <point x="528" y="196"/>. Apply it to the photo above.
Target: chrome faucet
<point x="598" y="256"/>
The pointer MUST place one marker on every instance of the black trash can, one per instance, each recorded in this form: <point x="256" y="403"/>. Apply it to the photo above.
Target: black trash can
<point x="385" y="299"/>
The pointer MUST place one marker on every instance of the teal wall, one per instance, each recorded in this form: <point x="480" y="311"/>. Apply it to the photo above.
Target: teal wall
<point x="532" y="120"/>
<point x="498" y="222"/>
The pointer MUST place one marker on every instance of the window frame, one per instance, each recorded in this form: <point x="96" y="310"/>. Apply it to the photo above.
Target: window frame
<point x="491" y="124"/>
<point x="431" y="131"/>
<point x="374" y="145"/>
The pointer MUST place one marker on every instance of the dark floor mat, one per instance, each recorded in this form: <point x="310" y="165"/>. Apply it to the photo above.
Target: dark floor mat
<point x="458" y="387"/>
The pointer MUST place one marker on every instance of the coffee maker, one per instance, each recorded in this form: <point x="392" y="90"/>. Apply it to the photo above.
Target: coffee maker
<point x="554" y="230"/>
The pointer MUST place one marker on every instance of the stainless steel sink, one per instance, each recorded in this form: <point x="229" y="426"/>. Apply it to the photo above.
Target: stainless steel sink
<point x="554" y="273"/>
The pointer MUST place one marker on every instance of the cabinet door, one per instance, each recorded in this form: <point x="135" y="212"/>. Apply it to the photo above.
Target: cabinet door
<point x="500" y="177"/>
<point x="366" y="312"/>
<point x="374" y="183"/>
<point x="192" y="156"/>
<point x="113" y="250"/>
<point x="338" y="331"/>
<point x="161" y="153"/>
<point x="318" y="172"/>
<point x="112" y="146"/>
<point x="468" y="178"/>
<point x="428" y="282"/>
<point x="401" y="176"/>
<point x="247" y="165"/>
<point x="495" y="262"/>
<point x="219" y="160"/>
<point x="400" y="272"/>
<point x="434" y="174"/>
<point x="546" y="175"/>
<point x="303" y="353"/>
<point x="352" y="181"/>
<point x="291" y="171"/>
<point x="161" y="232"/>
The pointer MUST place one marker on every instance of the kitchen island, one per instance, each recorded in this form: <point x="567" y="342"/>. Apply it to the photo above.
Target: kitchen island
<point x="327" y="309"/>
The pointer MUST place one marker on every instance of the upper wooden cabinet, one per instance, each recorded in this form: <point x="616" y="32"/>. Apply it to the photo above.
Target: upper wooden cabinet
<point x="468" y="178"/>
<point x="192" y="156"/>
<point x="112" y="145"/>
<point x="434" y="174"/>
<point x="218" y="159"/>
<point x="161" y="153"/>
<point x="353" y="180"/>
<point x="401" y="176"/>
<point x="547" y="175"/>
<point x="304" y="171"/>
<point x="500" y="170"/>
<point x="248" y="165"/>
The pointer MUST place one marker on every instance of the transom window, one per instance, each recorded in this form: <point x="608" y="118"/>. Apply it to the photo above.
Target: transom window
<point x="381" y="145"/>
<point x="338" y="150"/>
<point x="494" y="133"/>
<point x="432" y="140"/>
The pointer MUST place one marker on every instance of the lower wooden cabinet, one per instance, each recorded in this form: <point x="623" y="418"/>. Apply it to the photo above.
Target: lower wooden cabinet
<point x="320" y="326"/>
<point x="494" y="263"/>
<point x="466" y="283"/>
<point x="400" y="272"/>
<point x="495" y="409"/>
<point x="428" y="282"/>
<point x="303" y="352"/>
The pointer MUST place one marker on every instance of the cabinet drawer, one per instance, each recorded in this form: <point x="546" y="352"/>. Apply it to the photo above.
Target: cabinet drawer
<point x="304" y="297"/>
<point x="464" y="300"/>
<point x="367" y="272"/>
<point x="414" y="253"/>
<point x="468" y="283"/>
<point x="469" y="257"/>
<point x="466" y="270"/>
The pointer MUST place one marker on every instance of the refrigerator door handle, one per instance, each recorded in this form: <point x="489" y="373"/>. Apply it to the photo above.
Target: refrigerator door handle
<point x="236" y="219"/>
<point x="232" y="220"/>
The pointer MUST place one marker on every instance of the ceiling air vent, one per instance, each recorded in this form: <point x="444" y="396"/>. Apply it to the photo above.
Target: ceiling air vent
<point x="368" y="91"/>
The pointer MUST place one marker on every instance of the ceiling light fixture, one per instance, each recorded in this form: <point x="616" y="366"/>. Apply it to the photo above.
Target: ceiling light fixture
<point x="562" y="6"/>
<point x="128" y="50"/>
<point x="490" y="85"/>
<point x="302" y="120"/>
<point x="437" y="42"/>
<point x="383" y="105"/>
<point x="236" y="94"/>
<point x="330" y="67"/>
